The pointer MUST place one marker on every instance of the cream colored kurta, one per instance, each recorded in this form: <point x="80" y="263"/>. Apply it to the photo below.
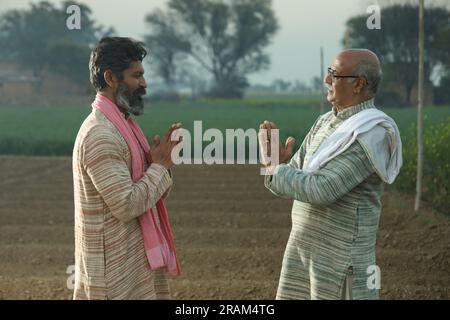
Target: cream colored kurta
<point x="110" y="261"/>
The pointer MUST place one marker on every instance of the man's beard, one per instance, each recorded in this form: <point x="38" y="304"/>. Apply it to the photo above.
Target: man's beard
<point x="130" y="102"/>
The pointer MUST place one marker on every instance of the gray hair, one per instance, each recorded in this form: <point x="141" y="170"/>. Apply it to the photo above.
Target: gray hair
<point x="371" y="72"/>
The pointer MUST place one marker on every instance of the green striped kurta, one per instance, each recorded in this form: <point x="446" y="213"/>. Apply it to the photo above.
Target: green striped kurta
<point x="335" y="217"/>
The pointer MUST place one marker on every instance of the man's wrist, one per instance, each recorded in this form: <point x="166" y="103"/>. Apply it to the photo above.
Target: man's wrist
<point x="161" y="166"/>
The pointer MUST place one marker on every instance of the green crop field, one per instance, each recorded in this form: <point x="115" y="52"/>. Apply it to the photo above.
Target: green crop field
<point x="52" y="130"/>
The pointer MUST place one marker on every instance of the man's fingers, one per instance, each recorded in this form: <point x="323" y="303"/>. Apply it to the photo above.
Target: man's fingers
<point x="168" y="133"/>
<point x="175" y="138"/>
<point x="171" y="129"/>
<point x="175" y="127"/>
<point x="156" y="140"/>
<point x="268" y="127"/>
<point x="148" y="155"/>
<point x="177" y="134"/>
<point x="290" y="144"/>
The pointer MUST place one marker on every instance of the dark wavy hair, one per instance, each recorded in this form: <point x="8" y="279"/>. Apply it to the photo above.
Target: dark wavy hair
<point x="115" y="54"/>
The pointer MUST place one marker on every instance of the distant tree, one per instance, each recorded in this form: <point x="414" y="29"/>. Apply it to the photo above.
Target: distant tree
<point x="300" y="86"/>
<point x="226" y="38"/>
<point x="396" y="43"/>
<point x="30" y="37"/>
<point x="442" y="92"/>
<point x="70" y="59"/>
<point x="166" y="45"/>
<point x="317" y="84"/>
<point x="281" y="85"/>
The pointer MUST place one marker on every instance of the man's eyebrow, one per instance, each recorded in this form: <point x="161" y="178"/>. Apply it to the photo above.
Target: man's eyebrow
<point x="139" y="72"/>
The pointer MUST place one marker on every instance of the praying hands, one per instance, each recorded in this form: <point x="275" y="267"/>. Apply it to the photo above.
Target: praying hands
<point x="161" y="150"/>
<point x="266" y="139"/>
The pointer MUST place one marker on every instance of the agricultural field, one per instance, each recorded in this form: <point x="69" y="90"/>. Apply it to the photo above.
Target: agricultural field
<point x="51" y="131"/>
<point x="230" y="231"/>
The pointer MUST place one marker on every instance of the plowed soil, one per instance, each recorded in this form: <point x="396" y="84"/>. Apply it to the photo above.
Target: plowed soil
<point x="230" y="234"/>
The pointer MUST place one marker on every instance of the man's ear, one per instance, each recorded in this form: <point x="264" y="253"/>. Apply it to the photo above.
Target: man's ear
<point x="110" y="79"/>
<point x="359" y="85"/>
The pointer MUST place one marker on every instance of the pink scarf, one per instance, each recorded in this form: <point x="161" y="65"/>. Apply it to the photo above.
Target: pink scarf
<point x="158" y="239"/>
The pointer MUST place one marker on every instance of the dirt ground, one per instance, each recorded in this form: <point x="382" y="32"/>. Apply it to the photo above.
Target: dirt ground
<point x="230" y="234"/>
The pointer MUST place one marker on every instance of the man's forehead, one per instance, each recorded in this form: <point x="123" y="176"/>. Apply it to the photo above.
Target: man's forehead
<point x="339" y="65"/>
<point x="348" y="59"/>
<point x="343" y="62"/>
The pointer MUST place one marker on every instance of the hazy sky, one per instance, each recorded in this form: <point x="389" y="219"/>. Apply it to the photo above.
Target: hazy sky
<point x="305" y="26"/>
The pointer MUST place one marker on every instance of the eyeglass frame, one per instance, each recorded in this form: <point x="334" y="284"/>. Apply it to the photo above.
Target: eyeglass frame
<point x="332" y="72"/>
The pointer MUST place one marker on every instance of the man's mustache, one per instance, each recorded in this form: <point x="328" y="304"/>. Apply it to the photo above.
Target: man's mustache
<point x="140" y="92"/>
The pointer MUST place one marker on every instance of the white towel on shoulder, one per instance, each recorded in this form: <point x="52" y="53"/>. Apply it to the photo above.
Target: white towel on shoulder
<point x="378" y="135"/>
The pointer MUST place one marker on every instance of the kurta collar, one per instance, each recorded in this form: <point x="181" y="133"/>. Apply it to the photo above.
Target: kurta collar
<point x="350" y="111"/>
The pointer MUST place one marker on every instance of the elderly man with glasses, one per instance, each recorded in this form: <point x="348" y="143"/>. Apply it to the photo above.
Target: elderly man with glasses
<point x="336" y="181"/>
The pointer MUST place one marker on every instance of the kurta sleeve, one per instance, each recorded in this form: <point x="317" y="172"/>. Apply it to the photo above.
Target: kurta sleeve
<point x="167" y="193"/>
<point x="295" y="163"/>
<point x="106" y="166"/>
<point x="339" y="176"/>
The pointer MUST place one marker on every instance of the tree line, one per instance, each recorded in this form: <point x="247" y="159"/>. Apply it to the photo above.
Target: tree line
<point x="396" y="44"/>
<point x="213" y="46"/>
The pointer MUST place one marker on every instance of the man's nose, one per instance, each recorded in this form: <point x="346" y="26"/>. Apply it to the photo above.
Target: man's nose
<point x="143" y="83"/>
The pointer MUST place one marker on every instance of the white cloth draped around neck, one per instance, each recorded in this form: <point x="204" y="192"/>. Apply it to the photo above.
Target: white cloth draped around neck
<point x="378" y="135"/>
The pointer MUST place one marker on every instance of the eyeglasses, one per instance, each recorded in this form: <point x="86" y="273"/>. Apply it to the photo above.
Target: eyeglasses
<point x="333" y="74"/>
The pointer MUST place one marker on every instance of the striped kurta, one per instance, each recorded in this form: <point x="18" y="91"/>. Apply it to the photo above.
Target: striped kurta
<point x="335" y="217"/>
<point x="110" y="261"/>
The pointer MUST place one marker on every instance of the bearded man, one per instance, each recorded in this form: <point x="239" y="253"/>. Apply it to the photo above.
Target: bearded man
<point x="124" y="247"/>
